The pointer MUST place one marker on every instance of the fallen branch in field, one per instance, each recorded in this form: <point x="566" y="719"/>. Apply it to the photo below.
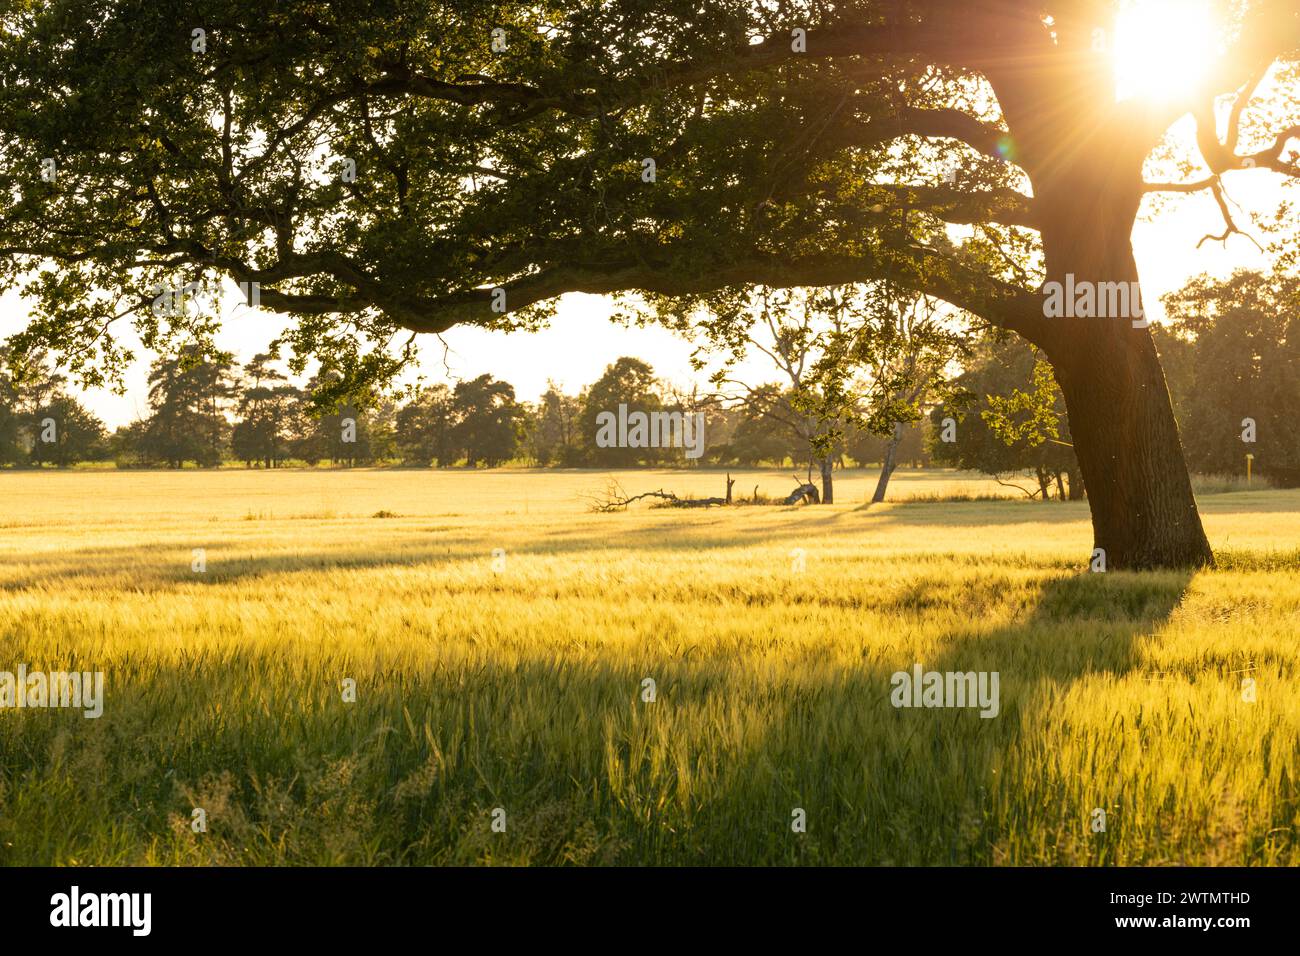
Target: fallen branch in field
<point x="806" y="491"/>
<point x="615" y="498"/>
<point x="1031" y="495"/>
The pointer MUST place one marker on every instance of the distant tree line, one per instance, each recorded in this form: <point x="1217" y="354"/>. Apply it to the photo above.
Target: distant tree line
<point x="40" y="424"/>
<point x="1231" y="348"/>
<point x="205" y="412"/>
<point x="1232" y="357"/>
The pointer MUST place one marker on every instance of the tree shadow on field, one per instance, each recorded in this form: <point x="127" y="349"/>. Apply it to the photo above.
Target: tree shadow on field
<point x="886" y="785"/>
<point x="709" y="772"/>
<point x="232" y="556"/>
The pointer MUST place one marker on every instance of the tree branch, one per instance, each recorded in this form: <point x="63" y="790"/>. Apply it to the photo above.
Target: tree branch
<point x="928" y="271"/>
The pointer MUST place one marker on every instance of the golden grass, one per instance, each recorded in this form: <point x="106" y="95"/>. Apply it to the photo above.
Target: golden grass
<point x="520" y="688"/>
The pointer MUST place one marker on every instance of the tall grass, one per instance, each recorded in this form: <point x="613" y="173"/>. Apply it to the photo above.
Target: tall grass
<point x="770" y="634"/>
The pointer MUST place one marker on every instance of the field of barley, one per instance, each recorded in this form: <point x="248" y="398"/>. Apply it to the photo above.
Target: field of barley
<point x="500" y="635"/>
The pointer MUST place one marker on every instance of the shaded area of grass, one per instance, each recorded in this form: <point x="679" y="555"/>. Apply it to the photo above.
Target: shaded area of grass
<point x="709" y="772"/>
<point x="520" y="688"/>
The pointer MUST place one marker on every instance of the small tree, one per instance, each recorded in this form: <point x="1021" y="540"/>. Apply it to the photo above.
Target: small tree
<point x="188" y="393"/>
<point x="898" y="353"/>
<point x="553" y="436"/>
<point x="39" y="422"/>
<point x="488" y="421"/>
<point x="74" y="434"/>
<point x="630" y="382"/>
<point x="264" y="414"/>
<point x="870" y="356"/>
<point x="424" y="428"/>
<point x="1008" y="418"/>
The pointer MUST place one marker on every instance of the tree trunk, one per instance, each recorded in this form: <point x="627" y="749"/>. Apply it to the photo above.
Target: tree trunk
<point x="828" y="489"/>
<point x="1125" y="438"/>
<point x="1075" y="482"/>
<point x="1143" y="512"/>
<point x="888" y="465"/>
<point x="1044" y="487"/>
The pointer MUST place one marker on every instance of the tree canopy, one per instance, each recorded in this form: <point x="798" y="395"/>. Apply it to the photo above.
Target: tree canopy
<point x="392" y="167"/>
<point x="385" y="166"/>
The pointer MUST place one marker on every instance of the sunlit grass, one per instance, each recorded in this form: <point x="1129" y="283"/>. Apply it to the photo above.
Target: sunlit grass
<point x="520" y="688"/>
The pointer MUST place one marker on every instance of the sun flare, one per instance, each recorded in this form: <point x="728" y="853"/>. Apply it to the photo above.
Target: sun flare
<point x="1162" y="47"/>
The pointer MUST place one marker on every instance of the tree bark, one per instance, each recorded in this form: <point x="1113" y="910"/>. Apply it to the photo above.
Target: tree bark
<point x="1125" y="437"/>
<point x="828" y="484"/>
<point x="888" y="465"/>
<point x="1144" y="514"/>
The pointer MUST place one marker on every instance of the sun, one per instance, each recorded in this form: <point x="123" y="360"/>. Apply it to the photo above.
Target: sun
<point x="1162" y="48"/>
